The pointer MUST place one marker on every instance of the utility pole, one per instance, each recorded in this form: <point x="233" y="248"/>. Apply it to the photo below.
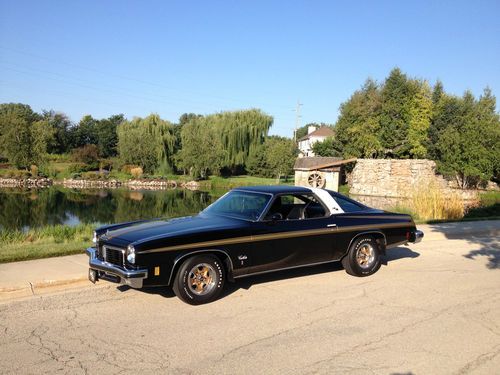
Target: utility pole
<point x="297" y="120"/>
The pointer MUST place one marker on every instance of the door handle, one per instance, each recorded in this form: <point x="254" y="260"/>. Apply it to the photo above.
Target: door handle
<point x="331" y="225"/>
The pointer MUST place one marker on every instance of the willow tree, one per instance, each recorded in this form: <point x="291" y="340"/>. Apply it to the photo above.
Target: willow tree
<point x="240" y="132"/>
<point x="236" y="135"/>
<point x="148" y="142"/>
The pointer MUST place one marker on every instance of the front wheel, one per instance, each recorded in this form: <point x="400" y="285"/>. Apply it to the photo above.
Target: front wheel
<point x="363" y="257"/>
<point x="200" y="279"/>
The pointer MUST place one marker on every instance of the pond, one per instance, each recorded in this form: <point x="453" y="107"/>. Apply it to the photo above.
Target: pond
<point x="30" y="208"/>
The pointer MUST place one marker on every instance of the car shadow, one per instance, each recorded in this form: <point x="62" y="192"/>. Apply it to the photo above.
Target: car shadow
<point x="247" y="282"/>
<point x="482" y="233"/>
<point x="396" y="253"/>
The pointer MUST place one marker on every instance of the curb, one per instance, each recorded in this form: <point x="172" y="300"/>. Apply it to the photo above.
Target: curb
<point x="37" y="288"/>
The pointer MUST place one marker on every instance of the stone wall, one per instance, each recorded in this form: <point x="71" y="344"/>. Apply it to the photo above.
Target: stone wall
<point x="398" y="178"/>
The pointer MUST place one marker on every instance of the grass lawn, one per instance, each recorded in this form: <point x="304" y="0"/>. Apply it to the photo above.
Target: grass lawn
<point x="42" y="249"/>
<point x="244" y="180"/>
<point x="48" y="241"/>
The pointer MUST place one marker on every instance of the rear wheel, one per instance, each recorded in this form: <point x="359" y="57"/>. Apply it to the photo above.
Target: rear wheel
<point x="363" y="257"/>
<point x="200" y="279"/>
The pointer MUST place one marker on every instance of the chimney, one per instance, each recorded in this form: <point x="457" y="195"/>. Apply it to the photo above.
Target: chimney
<point x="310" y="129"/>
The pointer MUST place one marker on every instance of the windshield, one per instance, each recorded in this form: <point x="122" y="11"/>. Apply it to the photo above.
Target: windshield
<point x="240" y="204"/>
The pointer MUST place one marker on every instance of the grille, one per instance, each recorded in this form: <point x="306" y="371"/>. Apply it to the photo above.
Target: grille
<point x="110" y="255"/>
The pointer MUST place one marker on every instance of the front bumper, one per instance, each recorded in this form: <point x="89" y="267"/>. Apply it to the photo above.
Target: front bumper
<point x="416" y="236"/>
<point x="112" y="272"/>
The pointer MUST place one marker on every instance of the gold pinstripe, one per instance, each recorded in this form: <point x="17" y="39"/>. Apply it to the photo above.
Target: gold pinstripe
<point x="274" y="236"/>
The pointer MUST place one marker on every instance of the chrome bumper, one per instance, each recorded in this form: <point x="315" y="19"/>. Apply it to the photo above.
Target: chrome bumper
<point x="417" y="236"/>
<point x="112" y="272"/>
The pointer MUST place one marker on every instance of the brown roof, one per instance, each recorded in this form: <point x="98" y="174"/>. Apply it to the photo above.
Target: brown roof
<point x="323" y="131"/>
<point x="319" y="162"/>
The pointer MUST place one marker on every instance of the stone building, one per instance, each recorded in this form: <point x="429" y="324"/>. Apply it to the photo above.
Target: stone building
<point x="321" y="172"/>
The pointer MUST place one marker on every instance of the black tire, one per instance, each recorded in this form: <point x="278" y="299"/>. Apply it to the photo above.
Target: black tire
<point x="200" y="279"/>
<point x="363" y="257"/>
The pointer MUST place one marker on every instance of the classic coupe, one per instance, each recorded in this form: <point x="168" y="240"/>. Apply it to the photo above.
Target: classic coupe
<point x="248" y="231"/>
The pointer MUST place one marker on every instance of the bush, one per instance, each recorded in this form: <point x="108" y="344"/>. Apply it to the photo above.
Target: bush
<point x="136" y="172"/>
<point x="34" y="171"/>
<point x="17" y="174"/>
<point x="127" y="168"/>
<point x="88" y="154"/>
<point x="49" y="172"/>
<point x="78" y="168"/>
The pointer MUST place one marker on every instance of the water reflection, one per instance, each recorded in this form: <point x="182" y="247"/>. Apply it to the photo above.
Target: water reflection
<point x="25" y="208"/>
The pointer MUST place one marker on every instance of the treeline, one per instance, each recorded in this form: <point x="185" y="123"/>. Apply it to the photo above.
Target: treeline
<point x="405" y="117"/>
<point x="222" y="143"/>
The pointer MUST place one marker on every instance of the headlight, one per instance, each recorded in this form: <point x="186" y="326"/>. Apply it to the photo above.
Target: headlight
<point x="131" y="254"/>
<point x="94" y="238"/>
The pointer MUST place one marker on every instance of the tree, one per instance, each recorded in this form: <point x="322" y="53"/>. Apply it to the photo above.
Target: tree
<point x="107" y="137"/>
<point x="239" y="133"/>
<point x="147" y="142"/>
<point x="85" y="132"/>
<point x="329" y="147"/>
<point x="358" y="127"/>
<point x="281" y="155"/>
<point x="395" y="114"/>
<point x="468" y="148"/>
<point x="202" y="151"/>
<point x="24" y="136"/>
<point x="420" y="113"/>
<point x="183" y="120"/>
<point x="61" y="126"/>
<point x="275" y="157"/>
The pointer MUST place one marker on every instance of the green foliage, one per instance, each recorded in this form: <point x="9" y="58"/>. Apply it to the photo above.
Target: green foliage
<point x="88" y="154"/>
<point x="281" y="156"/>
<point x="469" y="147"/>
<point x="61" y="125"/>
<point x="147" y="142"/>
<point x="102" y="133"/>
<point x="225" y="140"/>
<point x="358" y="126"/>
<point x="274" y="158"/>
<point x="202" y="151"/>
<point x="107" y="137"/>
<point x="329" y="147"/>
<point x="23" y="135"/>
<point x="405" y="118"/>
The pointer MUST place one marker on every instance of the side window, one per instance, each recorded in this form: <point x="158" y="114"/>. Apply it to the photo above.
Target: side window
<point x="348" y="205"/>
<point x="296" y="207"/>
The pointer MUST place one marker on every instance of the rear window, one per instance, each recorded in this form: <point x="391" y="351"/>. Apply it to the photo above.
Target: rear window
<point x="348" y="205"/>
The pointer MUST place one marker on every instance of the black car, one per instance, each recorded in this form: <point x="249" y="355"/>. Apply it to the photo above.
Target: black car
<point x="248" y="231"/>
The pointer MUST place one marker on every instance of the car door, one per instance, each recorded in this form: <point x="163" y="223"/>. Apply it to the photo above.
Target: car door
<point x="302" y="235"/>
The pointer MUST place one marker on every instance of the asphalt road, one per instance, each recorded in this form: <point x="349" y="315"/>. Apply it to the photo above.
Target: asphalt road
<point x="433" y="309"/>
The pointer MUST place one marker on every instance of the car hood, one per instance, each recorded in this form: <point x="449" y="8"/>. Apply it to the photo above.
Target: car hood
<point x="154" y="230"/>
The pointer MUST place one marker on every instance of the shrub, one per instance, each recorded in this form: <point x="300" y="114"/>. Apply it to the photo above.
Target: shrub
<point x="50" y="172"/>
<point x="128" y="167"/>
<point x="34" y="171"/>
<point x="136" y="172"/>
<point x="88" y="154"/>
<point x="78" y="168"/>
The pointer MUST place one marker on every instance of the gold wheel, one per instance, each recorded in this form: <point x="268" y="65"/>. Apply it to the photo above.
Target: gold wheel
<point x="365" y="255"/>
<point x="201" y="279"/>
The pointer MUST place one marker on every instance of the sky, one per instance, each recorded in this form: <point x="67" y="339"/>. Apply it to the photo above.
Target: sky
<point x="170" y="57"/>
